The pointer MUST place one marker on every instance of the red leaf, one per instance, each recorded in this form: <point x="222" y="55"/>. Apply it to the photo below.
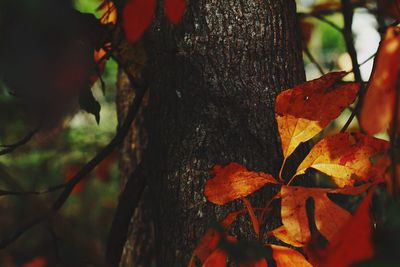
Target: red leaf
<point x="137" y="16"/>
<point x="174" y="10"/>
<point x="216" y="259"/>
<point x="353" y="242"/>
<point x="36" y="262"/>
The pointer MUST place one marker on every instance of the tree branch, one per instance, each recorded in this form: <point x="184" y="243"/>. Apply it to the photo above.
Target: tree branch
<point x="69" y="186"/>
<point x="348" y="13"/>
<point x="128" y="201"/>
<point x="10" y="148"/>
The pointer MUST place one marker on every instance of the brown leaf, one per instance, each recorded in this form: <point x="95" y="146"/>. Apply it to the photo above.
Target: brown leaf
<point x="234" y="181"/>
<point x="346" y="157"/>
<point x="303" y="111"/>
<point x="378" y="105"/>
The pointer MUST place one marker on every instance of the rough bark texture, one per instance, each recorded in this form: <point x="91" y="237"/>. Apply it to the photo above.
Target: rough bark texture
<point x="213" y="81"/>
<point x="138" y="249"/>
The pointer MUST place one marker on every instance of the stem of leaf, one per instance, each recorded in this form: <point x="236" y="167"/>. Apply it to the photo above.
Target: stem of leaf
<point x="281" y="170"/>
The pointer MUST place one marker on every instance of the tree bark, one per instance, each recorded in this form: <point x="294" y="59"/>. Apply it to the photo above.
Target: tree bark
<point x="213" y="82"/>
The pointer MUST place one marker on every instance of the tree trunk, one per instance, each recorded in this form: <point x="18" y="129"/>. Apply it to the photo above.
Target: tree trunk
<point x="213" y="82"/>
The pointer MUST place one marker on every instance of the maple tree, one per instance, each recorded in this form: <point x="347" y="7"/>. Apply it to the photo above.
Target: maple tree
<point x="217" y="121"/>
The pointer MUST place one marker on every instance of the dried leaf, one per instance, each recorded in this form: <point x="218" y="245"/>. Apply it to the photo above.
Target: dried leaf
<point x="137" y="17"/>
<point x="174" y="10"/>
<point x="328" y="216"/>
<point x="378" y="105"/>
<point x="346" y="157"/>
<point x="352" y="243"/>
<point x="234" y="181"/>
<point x="302" y="112"/>
<point x="287" y="257"/>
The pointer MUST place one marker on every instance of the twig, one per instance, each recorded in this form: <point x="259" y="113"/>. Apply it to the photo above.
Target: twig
<point x="5" y="176"/>
<point x="10" y="148"/>
<point x="128" y="201"/>
<point x="114" y="143"/>
<point x="312" y="59"/>
<point x="322" y="19"/>
<point x="348" y="12"/>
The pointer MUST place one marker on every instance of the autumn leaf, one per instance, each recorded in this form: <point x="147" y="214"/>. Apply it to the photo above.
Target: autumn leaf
<point x="346" y="157"/>
<point x="378" y="105"/>
<point x="174" y="10"/>
<point x="232" y="182"/>
<point x="328" y="216"/>
<point x="287" y="257"/>
<point x="137" y="17"/>
<point x="282" y="234"/>
<point x="39" y="261"/>
<point x="352" y="243"/>
<point x="109" y="12"/>
<point x="209" y="242"/>
<point x="303" y="111"/>
<point x="216" y="259"/>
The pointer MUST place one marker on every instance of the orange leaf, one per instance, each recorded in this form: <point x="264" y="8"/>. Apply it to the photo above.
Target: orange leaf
<point x="352" y="243"/>
<point x="137" y="17"/>
<point x="328" y="216"/>
<point x="302" y="112"/>
<point x="209" y="242"/>
<point x="174" y="10"/>
<point x="253" y="217"/>
<point x="282" y="234"/>
<point x="216" y="259"/>
<point x="287" y="257"/>
<point x="345" y="157"/>
<point x="109" y="12"/>
<point x="378" y="105"/>
<point x="234" y="181"/>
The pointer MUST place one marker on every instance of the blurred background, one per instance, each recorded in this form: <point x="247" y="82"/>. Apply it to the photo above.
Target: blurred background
<point x="52" y="158"/>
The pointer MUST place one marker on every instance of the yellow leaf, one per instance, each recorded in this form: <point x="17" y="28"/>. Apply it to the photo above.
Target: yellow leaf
<point x="287" y="257"/>
<point x="234" y="181"/>
<point x="346" y="157"/>
<point x="327" y="215"/>
<point x="302" y="112"/>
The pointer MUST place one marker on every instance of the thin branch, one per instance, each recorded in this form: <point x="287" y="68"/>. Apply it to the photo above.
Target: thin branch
<point x="10" y="148"/>
<point x="128" y="202"/>
<point x="322" y="19"/>
<point x="312" y="59"/>
<point x="106" y="151"/>
<point x="348" y="13"/>
<point x="5" y="176"/>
